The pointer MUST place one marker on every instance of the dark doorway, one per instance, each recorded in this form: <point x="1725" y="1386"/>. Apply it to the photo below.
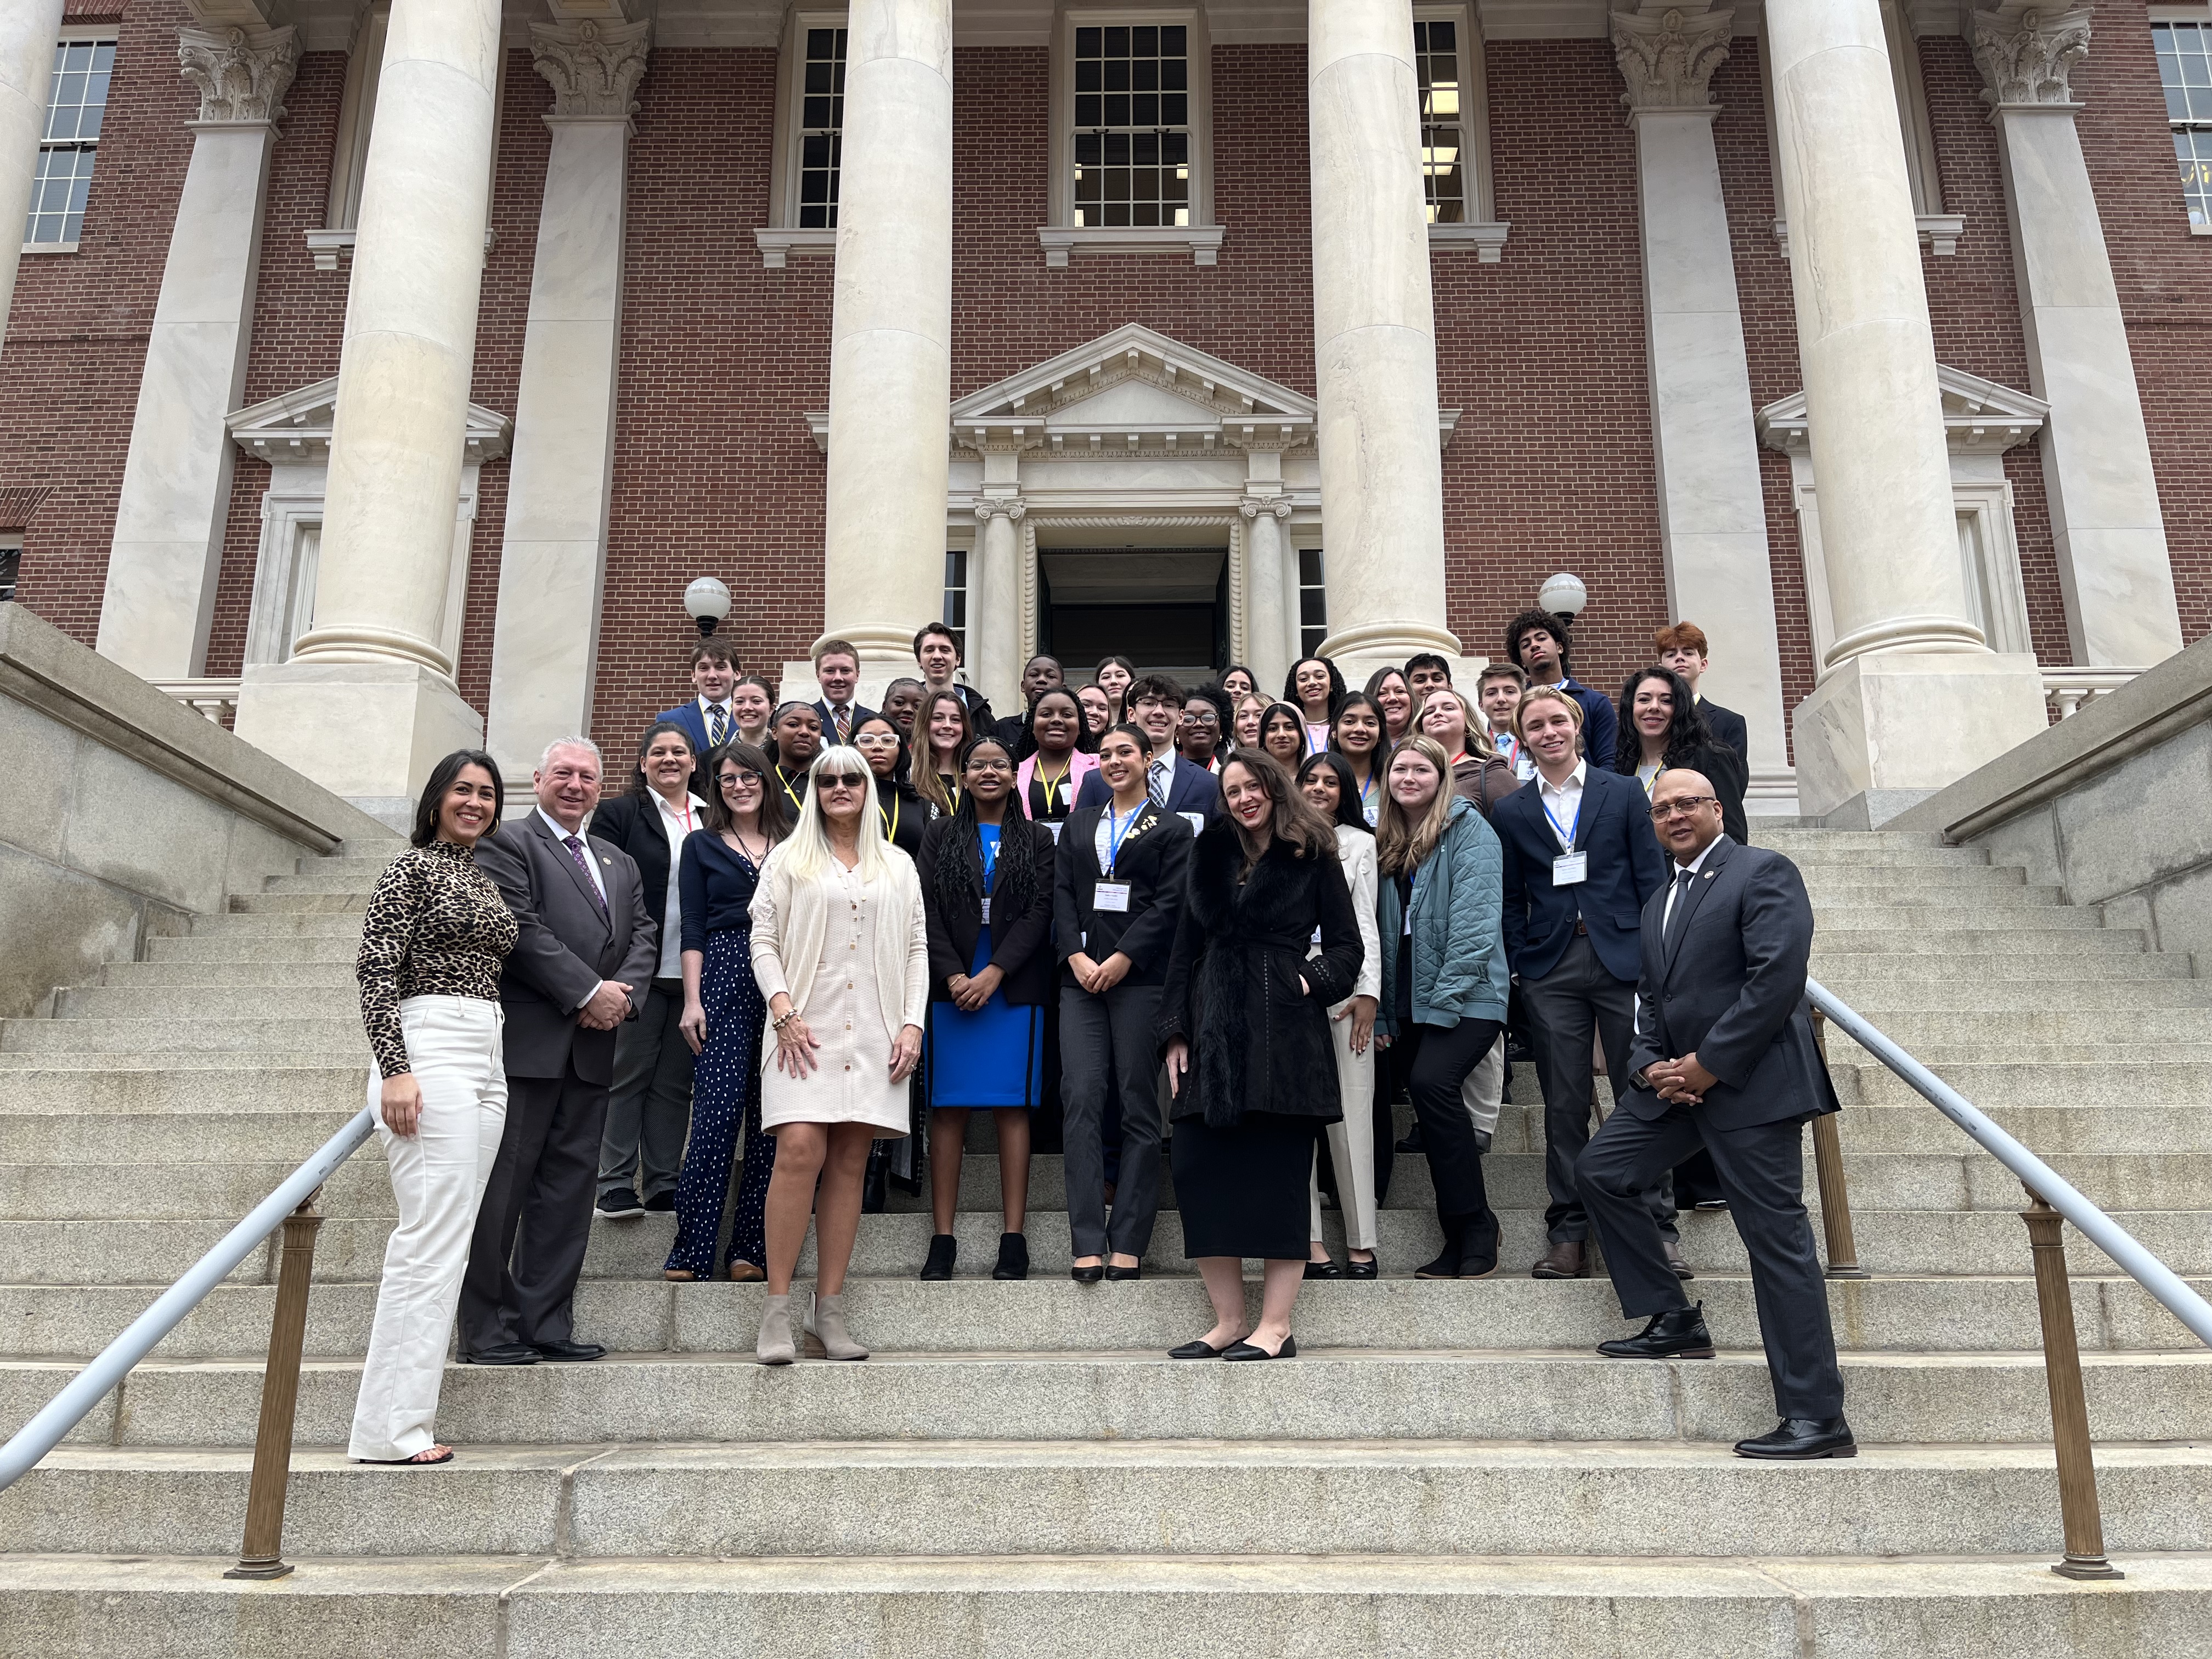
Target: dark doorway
<point x="1164" y="609"/>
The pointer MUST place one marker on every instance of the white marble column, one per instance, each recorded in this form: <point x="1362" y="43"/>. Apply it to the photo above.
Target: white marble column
<point x="995" y="646"/>
<point x="1713" y="512"/>
<point x="2105" y="517"/>
<point x="367" y="703"/>
<point x="27" y="32"/>
<point x="1270" y="606"/>
<point x="1911" y="698"/>
<point x="175" y="507"/>
<point x="1375" y="351"/>
<point x="545" y="642"/>
<point x="890" y="350"/>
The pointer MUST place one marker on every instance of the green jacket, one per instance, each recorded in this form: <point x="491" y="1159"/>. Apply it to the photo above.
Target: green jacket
<point x="1459" y="942"/>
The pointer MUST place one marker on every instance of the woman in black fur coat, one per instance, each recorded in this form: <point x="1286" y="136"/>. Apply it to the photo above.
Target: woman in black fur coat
<point x="1243" y="1027"/>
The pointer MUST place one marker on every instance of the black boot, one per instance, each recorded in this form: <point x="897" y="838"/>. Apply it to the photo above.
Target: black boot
<point x="943" y="1249"/>
<point x="1446" y="1265"/>
<point x="1678" y="1333"/>
<point x="1013" y="1257"/>
<point x="871" y="1184"/>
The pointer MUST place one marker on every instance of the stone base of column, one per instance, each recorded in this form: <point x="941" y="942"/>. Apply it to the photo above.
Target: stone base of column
<point x="1885" y="730"/>
<point x="370" y="732"/>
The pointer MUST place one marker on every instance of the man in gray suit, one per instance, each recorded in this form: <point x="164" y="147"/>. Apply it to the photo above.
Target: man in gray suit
<point x="580" y="967"/>
<point x="1723" y="1058"/>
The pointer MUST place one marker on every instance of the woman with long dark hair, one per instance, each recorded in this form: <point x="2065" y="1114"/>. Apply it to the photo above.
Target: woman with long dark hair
<point x="723" y="1012"/>
<point x="1243" y="1027"/>
<point x="1283" y="735"/>
<point x="1357" y="735"/>
<point x="942" y="729"/>
<point x="905" y="815"/>
<point x="1113" y="675"/>
<point x="1315" y="687"/>
<point x="434" y="938"/>
<point x="649" y="1106"/>
<point x="987" y="887"/>
<point x="1326" y="782"/>
<point x="1661" y="729"/>
<point x="1061" y="755"/>
<point x="1239" y="682"/>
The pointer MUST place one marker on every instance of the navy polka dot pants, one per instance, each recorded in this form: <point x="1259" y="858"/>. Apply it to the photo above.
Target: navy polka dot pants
<point x="726" y="1097"/>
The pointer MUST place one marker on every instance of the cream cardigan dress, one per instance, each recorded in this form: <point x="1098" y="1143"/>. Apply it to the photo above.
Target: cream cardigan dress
<point x="853" y="957"/>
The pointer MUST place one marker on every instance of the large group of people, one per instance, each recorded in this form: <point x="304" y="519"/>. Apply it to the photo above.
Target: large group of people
<point x="1205" y="928"/>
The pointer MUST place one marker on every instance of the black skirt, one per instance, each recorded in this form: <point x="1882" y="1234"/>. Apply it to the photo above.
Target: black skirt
<point x="1243" y="1192"/>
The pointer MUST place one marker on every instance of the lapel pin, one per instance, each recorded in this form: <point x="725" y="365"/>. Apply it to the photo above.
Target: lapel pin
<point x="1710" y="874"/>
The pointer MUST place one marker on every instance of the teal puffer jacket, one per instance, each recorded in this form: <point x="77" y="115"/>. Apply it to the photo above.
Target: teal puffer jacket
<point x="1459" y="942"/>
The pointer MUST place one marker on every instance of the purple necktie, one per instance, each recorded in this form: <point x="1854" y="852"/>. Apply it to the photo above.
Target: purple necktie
<point x="576" y="846"/>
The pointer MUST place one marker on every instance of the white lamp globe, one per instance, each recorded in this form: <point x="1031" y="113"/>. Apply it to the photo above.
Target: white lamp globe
<point x="1563" y="595"/>
<point x="707" y="602"/>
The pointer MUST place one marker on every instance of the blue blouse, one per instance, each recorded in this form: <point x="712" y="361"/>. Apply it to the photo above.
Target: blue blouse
<point x="715" y="884"/>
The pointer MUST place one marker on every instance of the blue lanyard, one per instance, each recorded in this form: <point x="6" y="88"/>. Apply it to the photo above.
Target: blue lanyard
<point x="1567" y="833"/>
<point x="991" y="858"/>
<point x="1114" y="838"/>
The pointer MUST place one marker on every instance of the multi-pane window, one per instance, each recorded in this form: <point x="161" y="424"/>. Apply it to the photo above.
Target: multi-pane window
<point x="2185" y="66"/>
<point x="821" y="129"/>
<point x="1132" y="125"/>
<point x="1313" y="603"/>
<point x="1444" y="170"/>
<point x="76" y="102"/>
<point x="11" y="561"/>
<point x="956" y="596"/>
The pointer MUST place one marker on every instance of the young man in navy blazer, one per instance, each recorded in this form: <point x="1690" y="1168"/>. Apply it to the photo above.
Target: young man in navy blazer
<point x="713" y="677"/>
<point x="837" y="671"/>
<point x="1580" y="862"/>
<point x="1155" y="703"/>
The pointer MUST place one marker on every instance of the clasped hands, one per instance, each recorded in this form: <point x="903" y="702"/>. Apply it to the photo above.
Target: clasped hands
<point x="608" y="1006"/>
<point x="1679" y="1082"/>
<point x="971" y="992"/>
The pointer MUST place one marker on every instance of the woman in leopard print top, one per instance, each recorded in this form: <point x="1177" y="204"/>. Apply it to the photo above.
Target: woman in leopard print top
<point x="432" y="944"/>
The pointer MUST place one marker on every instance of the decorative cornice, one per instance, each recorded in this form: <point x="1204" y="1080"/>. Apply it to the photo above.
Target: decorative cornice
<point x="1253" y="506"/>
<point x="1669" y="60"/>
<point x="1980" y="418"/>
<point x="294" y="429"/>
<point x="242" y="74"/>
<point x="2028" y="59"/>
<point x="595" y="68"/>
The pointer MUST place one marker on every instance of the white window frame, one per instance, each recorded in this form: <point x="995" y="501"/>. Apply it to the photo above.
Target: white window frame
<point x="2184" y="14"/>
<point x="1473" y="106"/>
<point x="783" y="236"/>
<point x="1062" y="237"/>
<point x="75" y="35"/>
<point x="356" y="113"/>
<point x="1298" y="597"/>
<point x="965" y="553"/>
<point x="11" y="541"/>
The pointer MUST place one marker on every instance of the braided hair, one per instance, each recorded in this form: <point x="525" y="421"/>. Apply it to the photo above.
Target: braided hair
<point x="959" y="875"/>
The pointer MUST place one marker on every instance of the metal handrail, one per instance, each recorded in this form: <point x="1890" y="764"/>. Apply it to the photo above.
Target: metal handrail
<point x="2039" y="1177"/>
<point x="91" y="1385"/>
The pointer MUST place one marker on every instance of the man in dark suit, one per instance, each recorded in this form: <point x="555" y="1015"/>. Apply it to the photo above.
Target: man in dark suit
<point x="1682" y="648"/>
<point x="581" y="966"/>
<point x="1536" y="642"/>
<point x="1580" y="864"/>
<point x="837" y="671"/>
<point x="1725" y="1058"/>
<point x="707" y="719"/>
<point x="1155" y="703"/>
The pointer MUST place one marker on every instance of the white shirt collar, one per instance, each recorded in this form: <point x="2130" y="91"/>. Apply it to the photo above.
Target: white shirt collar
<point x="554" y="825"/>
<point x="674" y="815"/>
<point x="1574" y="780"/>
<point x="706" y="702"/>
<point x="1697" y="863"/>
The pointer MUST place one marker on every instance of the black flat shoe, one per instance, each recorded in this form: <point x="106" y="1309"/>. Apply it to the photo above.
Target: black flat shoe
<point x="1086" y="1275"/>
<point x="1371" y="1268"/>
<point x="1253" y="1350"/>
<point x="944" y="1250"/>
<point x="1121" y="1275"/>
<point x="1328" y="1269"/>
<point x="1013" y="1257"/>
<point x="1198" y="1349"/>
<point x="1800" y="1438"/>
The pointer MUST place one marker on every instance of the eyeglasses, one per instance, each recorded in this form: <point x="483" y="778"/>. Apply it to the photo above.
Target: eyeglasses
<point x="1002" y="764"/>
<point x="732" y="780"/>
<point x="1682" y="806"/>
<point x="841" y="781"/>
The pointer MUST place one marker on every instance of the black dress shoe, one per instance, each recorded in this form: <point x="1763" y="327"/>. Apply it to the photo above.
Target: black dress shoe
<point x="1086" y="1275"/>
<point x="1327" y="1268"/>
<point x="1674" y="1253"/>
<point x="566" y="1348"/>
<point x="505" y="1354"/>
<point x="1410" y="1142"/>
<point x="661" y="1203"/>
<point x="1013" y="1257"/>
<point x="1198" y="1349"/>
<point x="1797" y="1438"/>
<point x="1678" y="1333"/>
<point x="944" y="1250"/>
<point x="1371" y="1268"/>
<point x="620" y="1205"/>
<point x="1253" y="1350"/>
<point x="1116" y="1274"/>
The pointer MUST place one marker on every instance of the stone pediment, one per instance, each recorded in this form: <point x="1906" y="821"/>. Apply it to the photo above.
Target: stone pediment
<point x="295" y="428"/>
<point x="1980" y="418"/>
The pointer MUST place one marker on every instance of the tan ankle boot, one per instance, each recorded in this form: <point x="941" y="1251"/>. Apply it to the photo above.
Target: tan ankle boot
<point x="774" y="1346"/>
<point x="825" y="1330"/>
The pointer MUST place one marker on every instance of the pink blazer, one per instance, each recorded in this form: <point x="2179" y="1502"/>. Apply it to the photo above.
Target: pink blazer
<point x="1080" y="767"/>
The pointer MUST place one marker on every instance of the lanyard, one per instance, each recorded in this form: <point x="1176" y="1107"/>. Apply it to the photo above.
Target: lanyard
<point x="1567" y="833"/>
<point x="1115" y="837"/>
<point x="795" y="801"/>
<point x="1050" y="785"/>
<point x="890" y="818"/>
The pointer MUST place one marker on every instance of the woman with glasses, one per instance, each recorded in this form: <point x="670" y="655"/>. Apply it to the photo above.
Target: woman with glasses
<point x="1662" y="730"/>
<point x="905" y="815"/>
<point x="840" y="949"/>
<point x="987" y="888"/>
<point x="716" y="880"/>
<point x="1199" y="728"/>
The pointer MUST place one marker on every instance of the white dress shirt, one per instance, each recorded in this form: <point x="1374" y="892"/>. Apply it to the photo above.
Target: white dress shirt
<point x="1563" y="803"/>
<point x="1674" y="888"/>
<point x="676" y="823"/>
<point x="706" y="718"/>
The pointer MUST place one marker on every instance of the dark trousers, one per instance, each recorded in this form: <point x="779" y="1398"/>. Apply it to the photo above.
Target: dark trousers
<point x="1578" y="1000"/>
<point x="1107" y="1049"/>
<point x="650" y="1107"/>
<point x="1440" y="1059"/>
<point x="1761" y="1174"/>
<point x="535" y="1215"/>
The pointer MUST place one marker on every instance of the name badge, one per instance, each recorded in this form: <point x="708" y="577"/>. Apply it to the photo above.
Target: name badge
<point x="1111" y="895"/>
<point x="1195" y="820"/>
<point x="1317" y="939"/>
<point x="987" y="912"/>
<point x="1053" y="830"/>
<point x="1570" y="868"/>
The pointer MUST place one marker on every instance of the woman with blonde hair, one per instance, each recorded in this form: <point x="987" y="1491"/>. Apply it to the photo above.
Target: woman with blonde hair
<point x="840" y="950"/>
<point x="1444" y="980"/>
<point x="1478" y="773"/>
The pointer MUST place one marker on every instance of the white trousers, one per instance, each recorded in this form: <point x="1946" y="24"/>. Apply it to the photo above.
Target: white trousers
<point x="1483" y="1091"/>
<point x="1352" y="1141"/>
<point x="438" y="1176"/>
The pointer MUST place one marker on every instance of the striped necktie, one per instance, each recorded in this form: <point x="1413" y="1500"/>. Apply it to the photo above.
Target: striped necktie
<point x="718" y="724"/>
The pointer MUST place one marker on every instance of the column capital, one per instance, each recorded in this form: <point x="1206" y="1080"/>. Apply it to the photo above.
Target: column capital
<point x="1669" y="60"/>
<point x="1010" y="508"/>
<point x="594" y="67"/>
<point x="2027" y="57"/>
<point x="242" y="74"/>
<point x="1253" y="506"/>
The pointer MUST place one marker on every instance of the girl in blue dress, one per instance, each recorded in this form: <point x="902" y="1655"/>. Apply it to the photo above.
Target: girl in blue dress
<point x="987" y="892"/>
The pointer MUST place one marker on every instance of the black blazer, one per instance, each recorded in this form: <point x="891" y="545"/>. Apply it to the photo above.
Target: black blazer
<point x="1731" y="990"/>
<point x="1154" y="860"/>
<point x="1727" y="727"/>
<point x="633" y="824"/>
<point x="1020" y="945"/>
<point x="1730" y="779"/>
<point x="905" y="816"/>
<point x="1191" y="789"/>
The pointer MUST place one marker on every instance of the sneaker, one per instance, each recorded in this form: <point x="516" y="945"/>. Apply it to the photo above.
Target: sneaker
<point x="620" y="1205"/>
<point x="661" y="1204"/>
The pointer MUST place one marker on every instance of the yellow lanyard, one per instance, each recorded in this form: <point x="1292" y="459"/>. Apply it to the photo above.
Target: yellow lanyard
<point x="890" y="818"/>
<point x="797" y="804"/>
<point x="1049" y="785"/>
